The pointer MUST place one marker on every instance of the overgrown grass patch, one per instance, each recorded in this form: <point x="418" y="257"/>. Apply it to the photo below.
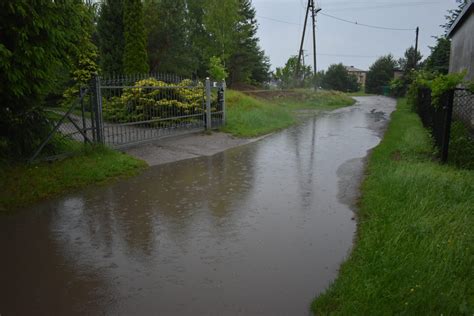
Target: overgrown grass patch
<point x="461" y="146"/>
<point x="21" y="185"/>
<point x="414" y="253"/>
<point x="269" y="111"/>
<point x="248" y="116"/>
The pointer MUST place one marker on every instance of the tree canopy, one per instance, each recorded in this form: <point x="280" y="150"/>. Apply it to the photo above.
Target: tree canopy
<point x="338" y="78"/>
<point x="42" y="41"/>
<point x="380" y="74"/>
<point x="51" y="48"/>
<point x="410" y="61"/>
<point x="286" y="77"/>
<point x="438" y="61"/>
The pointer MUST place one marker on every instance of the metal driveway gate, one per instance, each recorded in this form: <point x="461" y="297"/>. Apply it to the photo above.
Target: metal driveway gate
<point x="121" y="111"/>
<point x="135" y="109"/>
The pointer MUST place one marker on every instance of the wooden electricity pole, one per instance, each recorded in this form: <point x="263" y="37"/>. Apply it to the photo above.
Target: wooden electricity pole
<point x="298" y="65"/>
<point x="416" y="46"/>
<point x="310" y="6"/>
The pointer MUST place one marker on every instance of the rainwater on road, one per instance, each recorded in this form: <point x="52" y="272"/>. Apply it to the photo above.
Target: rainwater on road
<point x="256" y="230"/>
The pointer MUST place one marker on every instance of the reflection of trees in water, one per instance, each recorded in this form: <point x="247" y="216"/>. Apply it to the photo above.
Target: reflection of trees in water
<point x="168" y="200"/>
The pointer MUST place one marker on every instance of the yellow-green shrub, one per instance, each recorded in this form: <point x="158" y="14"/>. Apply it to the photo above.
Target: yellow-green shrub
<point x="151" y="99"/>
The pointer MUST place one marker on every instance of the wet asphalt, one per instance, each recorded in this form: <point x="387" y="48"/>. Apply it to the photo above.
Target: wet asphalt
<point x="259" y="229"/>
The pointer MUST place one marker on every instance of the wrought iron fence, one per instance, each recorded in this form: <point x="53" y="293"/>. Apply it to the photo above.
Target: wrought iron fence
<point x="451" y="123"/>
<point x="461" y="150"/>
<point x="120" y="111"/>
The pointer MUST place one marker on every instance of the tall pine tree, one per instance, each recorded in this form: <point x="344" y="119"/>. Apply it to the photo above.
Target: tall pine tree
<point x="248" y="64"/>
<point x="110" y="31"/>
<point x="135" y="59"/>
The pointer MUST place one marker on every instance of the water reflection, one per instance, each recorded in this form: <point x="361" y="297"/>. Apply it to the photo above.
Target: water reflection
<point x="255" y="230"/>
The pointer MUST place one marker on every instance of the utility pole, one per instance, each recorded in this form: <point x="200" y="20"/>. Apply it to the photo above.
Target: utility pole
<point x="314" y="12"/>
<point x="310" y="6"/>
<point x="416" y="47"/>
<point x="297" y="74"/>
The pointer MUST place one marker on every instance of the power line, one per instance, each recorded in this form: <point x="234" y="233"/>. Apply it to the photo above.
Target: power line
<point x="340" y="19"/>
<point x="277" y="20"/>
<point x="386" y="6"/>
<point x="347" y="55"/>
<point x="380" y="3"/>
<point x="367" y="25"/>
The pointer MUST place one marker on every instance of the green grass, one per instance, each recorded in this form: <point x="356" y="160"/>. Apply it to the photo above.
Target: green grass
<point x="22" y="185"/>
<point x="360" y="93"/>
<point x="461" y="146"/>
<point x="414" y="253"/>
<point x="249" y="116"/>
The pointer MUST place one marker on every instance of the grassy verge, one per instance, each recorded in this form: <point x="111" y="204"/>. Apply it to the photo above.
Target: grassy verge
<point x="266" y="111"/>
<point x="24" y="184"/>
<point x="360" y="93"/>
<point x="414" y="254"/>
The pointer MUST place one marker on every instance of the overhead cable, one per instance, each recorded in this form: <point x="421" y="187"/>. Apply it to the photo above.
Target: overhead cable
<point x="366" y="25"/>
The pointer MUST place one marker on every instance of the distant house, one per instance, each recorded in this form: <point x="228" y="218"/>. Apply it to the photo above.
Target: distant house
<point x="361" y="75"/>
<point x="462" y="42"/>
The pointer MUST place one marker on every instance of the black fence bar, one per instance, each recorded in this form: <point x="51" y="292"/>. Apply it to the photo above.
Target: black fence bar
<point x="451" y="123"/>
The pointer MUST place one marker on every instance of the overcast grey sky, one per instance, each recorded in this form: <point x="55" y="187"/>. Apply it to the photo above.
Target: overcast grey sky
<point x="281" y="40"/>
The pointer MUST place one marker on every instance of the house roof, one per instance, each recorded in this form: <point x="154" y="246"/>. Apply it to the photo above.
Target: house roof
<point x="353" y="69"/>
<point x="462" y="17"/>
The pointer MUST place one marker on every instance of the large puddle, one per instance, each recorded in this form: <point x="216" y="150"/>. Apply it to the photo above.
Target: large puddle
<point x="256" y="230"/>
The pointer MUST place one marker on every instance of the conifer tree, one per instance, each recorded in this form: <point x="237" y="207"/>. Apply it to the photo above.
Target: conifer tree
<point x="135" y="59"/>
<point x="111" y="38"/>
<point x="248" y="63"/>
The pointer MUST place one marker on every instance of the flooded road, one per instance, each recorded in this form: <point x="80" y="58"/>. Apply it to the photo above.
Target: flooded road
<point x="256" y="230"/>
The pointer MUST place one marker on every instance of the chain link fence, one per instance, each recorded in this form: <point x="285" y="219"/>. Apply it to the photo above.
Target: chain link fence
<point x="461" y="150"/>
<point x="451" y="123"/>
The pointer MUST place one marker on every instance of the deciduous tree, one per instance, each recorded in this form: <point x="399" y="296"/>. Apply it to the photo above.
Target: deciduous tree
<point x="286" y="76"/>
<point x="38" y="40"/>
<point x="220" y="22"/>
